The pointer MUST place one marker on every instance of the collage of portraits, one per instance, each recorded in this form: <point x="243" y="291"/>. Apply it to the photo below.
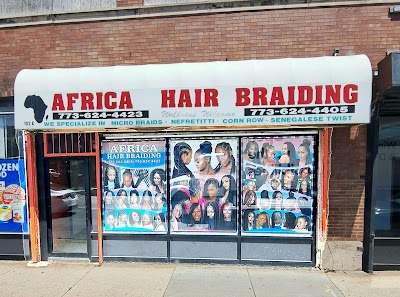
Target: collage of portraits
<point x="266" y="188"/>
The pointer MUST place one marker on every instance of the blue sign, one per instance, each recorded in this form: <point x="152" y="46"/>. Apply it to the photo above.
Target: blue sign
<point x="13" y="202"/>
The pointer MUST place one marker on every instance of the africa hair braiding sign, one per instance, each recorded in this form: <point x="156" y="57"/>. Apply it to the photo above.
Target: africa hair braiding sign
<point x="302" y="91"/>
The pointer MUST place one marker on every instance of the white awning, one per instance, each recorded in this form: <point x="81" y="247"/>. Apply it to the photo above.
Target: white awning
<point x="298" y="91"/>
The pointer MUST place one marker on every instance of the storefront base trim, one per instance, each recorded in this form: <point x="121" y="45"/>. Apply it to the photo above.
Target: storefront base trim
<point x="12" y="258"/>
<point x="204" y="261"/>
<point x="386" y="253"/>
<point x="130" y="259"/>
<point x="14" y="246"/>
<point x="383" y="267"/>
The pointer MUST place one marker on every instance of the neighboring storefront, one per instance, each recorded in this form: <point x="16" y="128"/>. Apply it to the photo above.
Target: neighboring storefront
<point x="14" y="231"/>
<point x="382" y="221"/>
<point x="219" y="161"/>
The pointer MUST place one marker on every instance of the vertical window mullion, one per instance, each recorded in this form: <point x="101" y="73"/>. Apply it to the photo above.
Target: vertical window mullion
<point x="2" y="138"/>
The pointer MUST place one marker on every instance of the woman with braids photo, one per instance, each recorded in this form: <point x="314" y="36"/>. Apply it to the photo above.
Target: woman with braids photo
<point x="304" y="153"/>
<point x="288" y="157"/>
<point x="248" y="220"/>
<point x="111" y="181"/>
<point x="227" y="219"/>
<point x="134" y="199"/>
<point x="251" y="153"/>
<point x="147" y="200"/>
<point x="210" y="216"/>
<point x="227" y="190"/>
<point x="268" y="153"/>
<point x="202" y="161"/>
<point x="289" y="221"/>
<point x="210" y="191"/>
<point x="226" y="160"/>
<point x="182" y="157"/>
<point x="157" y="181"/>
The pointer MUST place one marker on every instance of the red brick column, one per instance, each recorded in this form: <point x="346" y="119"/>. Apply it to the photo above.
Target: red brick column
<point x="347" y="185"/>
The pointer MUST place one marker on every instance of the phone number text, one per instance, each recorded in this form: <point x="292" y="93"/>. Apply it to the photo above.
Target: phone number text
<point x="100" y="115"/>
<point x="337" y="109"/>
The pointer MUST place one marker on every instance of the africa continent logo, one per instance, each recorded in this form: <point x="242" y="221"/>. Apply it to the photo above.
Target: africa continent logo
<point x="38" y="106"/>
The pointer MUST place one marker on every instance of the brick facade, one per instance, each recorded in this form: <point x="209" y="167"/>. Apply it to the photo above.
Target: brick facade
<point x="346" y="188"/>
<point x="265" y="34"/>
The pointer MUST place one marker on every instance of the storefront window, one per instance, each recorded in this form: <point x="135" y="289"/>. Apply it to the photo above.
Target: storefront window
<point x="203" y="185"/>
<point x="9" y="138"/>
<point x="386" y="181"/>
<point x="13" y="203"/>
<point x="134" y="186"/>
<point x="267" y="189"/>
<point x="277" y="185"/>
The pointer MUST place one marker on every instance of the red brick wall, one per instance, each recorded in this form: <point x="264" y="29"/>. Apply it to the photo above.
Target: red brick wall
<point x="129" y="3"/>
<point x="282" y="33"/>
<point x="207" y="37"/>
<point x="346" y="187"/>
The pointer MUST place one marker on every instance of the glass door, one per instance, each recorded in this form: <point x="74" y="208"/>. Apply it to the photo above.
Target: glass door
<point x="386" y="181"/>
<point x="69" y="230"/>
<point x="382" y="226"/>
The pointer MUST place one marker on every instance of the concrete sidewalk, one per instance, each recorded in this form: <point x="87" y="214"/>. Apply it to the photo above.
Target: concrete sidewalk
<point x="152" y="279"/>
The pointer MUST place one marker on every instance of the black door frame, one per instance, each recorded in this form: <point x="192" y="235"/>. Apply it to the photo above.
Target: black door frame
<point x="375" y="245"/>
<point x="49" y="242"/>
<point x="369" y="205"/>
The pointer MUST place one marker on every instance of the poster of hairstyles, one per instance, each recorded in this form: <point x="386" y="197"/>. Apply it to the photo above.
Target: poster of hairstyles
<point x="203" y="185"/>
<point x="277" y="185"/>
<point x="134" y="186"/>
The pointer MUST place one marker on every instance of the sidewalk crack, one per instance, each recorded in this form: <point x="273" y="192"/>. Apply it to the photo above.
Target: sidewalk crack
<point x="8" y="271"/>
<point x="69" y="289"/>
<point x="333" y="283"/>
<point x="252" y="287"/>
<point x="172" y="274"/>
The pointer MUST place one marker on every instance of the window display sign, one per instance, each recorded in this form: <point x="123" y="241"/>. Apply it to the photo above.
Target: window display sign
<point x="13" y="203"/>
<point x="300" y="91"/>
<point x="203" y="185"/>
<point x="134" y="186"/>
<point x="277" y="185"/>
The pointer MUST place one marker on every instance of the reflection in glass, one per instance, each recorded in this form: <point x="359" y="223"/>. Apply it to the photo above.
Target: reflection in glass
<point x="386" y="181"/>
<point x="68" y="206"/>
